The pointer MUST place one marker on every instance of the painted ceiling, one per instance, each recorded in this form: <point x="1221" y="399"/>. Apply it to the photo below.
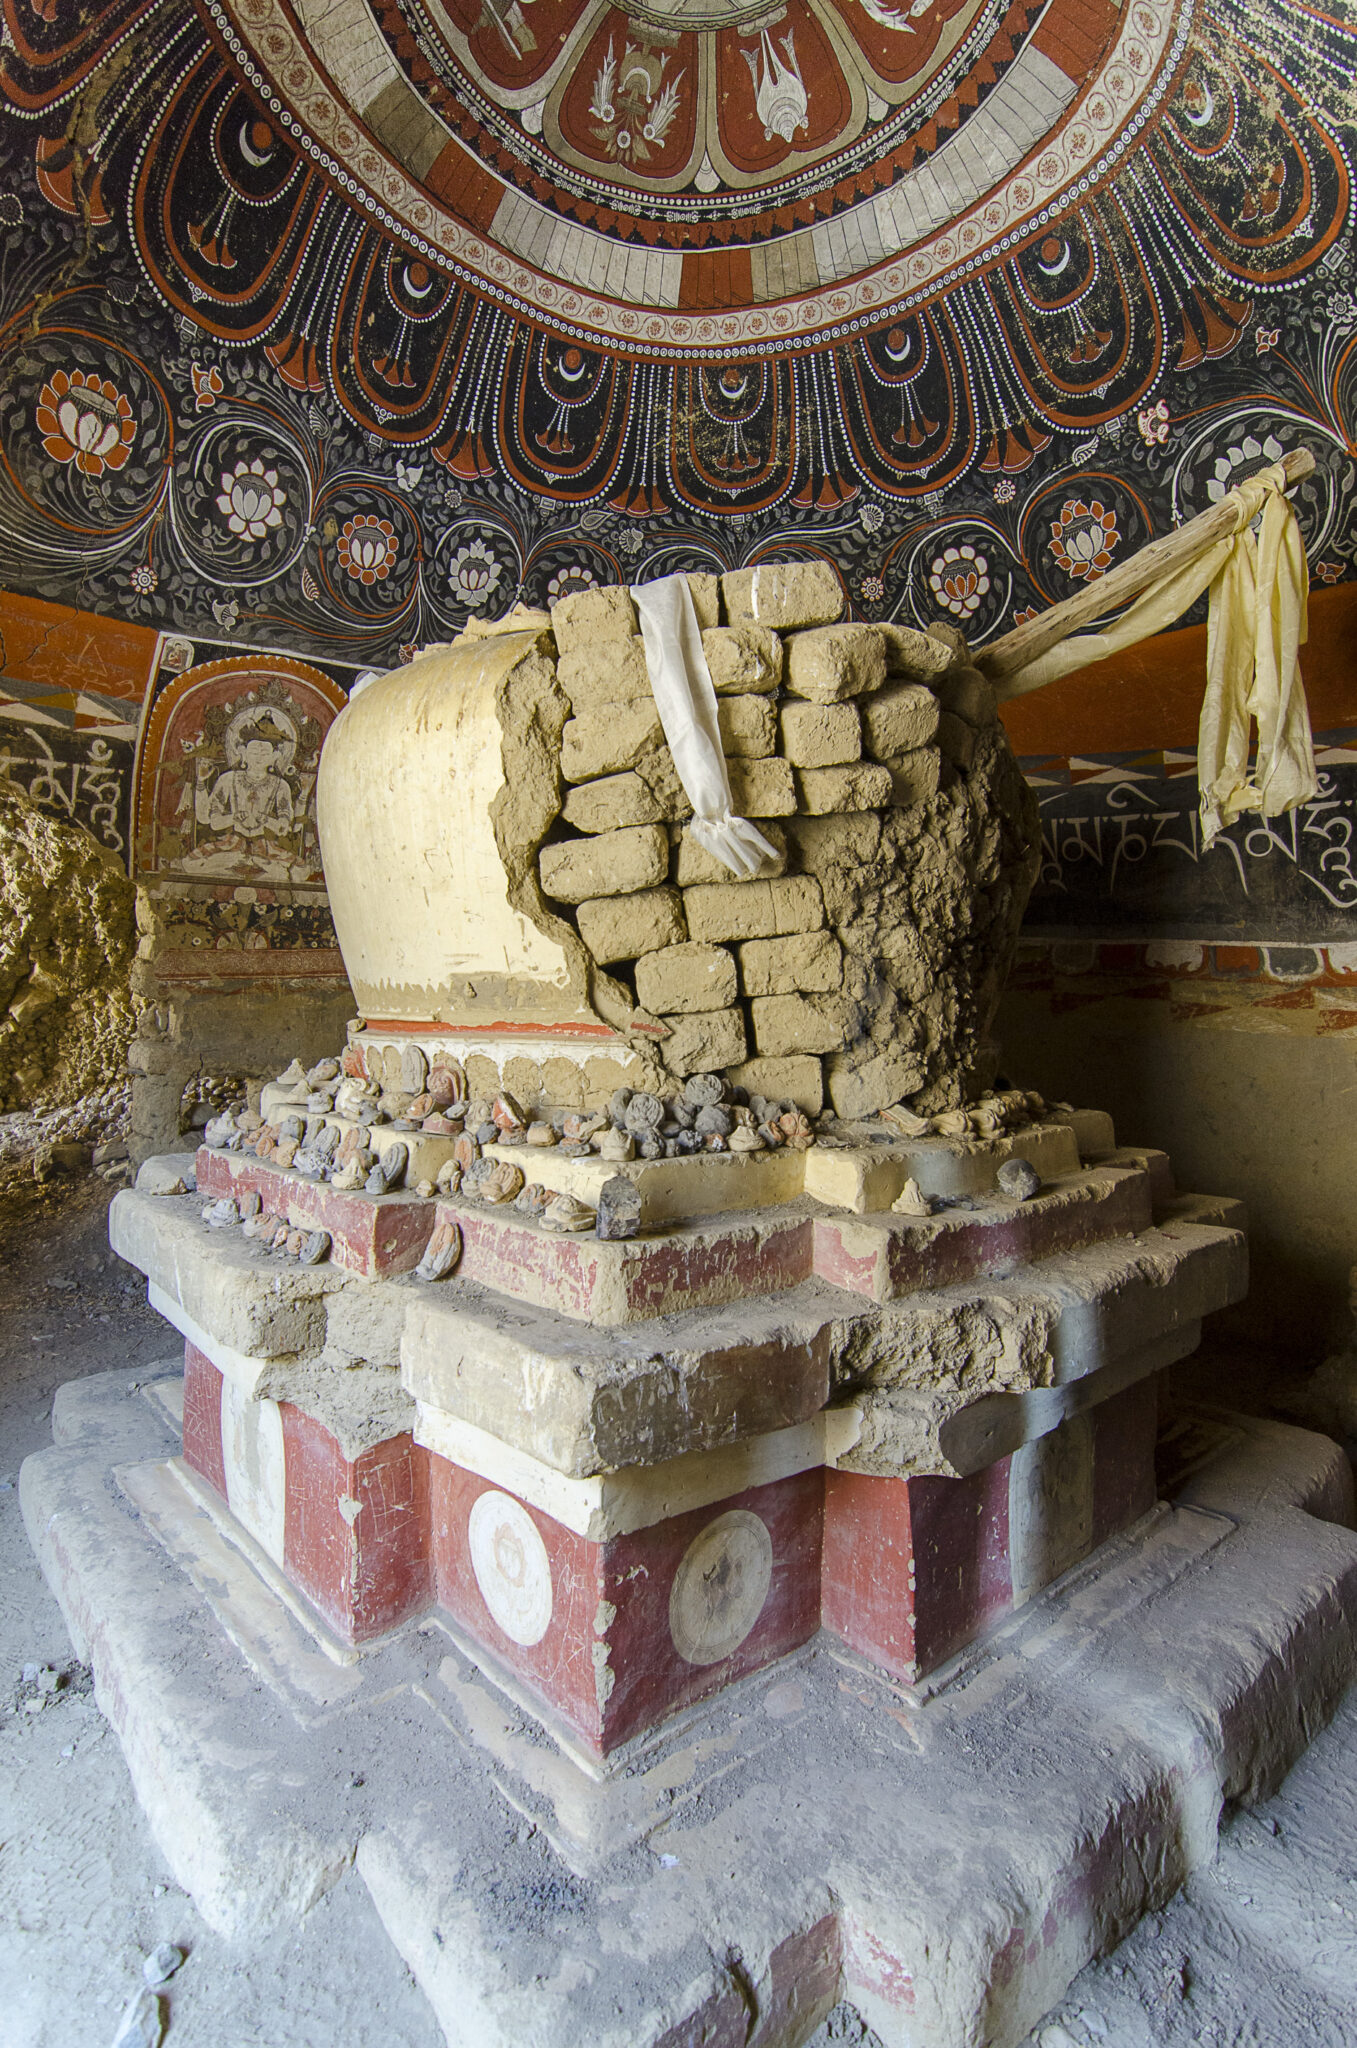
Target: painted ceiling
<point x="329" y="322"/>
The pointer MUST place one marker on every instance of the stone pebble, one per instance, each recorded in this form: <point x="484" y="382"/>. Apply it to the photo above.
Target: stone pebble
<point x="619" y="1208"/>
<point x="1019" y="1179"/>
<point x="564" y="1212"/>
<point x="502" y="1183"/>
<point x="704" y="1091"/>
<point x="442" y="1253"/>
<point x="643" y="1114"/>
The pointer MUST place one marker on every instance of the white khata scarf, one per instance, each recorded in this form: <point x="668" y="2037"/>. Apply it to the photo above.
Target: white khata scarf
<point x="686" y="701"/>
<point x="1256" y="624"/>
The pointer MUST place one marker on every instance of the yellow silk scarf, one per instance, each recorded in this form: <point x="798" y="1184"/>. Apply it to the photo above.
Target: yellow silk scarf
<point x="1256" y="624"/>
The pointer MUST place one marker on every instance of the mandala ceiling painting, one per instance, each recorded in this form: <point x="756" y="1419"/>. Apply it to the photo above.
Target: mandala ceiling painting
<point x="969" y="294"/>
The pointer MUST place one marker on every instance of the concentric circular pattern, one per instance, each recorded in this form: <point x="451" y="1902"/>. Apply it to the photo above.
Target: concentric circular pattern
<point x="712" y="257"/>
<point x="721" y="1587"/>
<point x="511" y="1565"/>
<point x="721" y="172"/>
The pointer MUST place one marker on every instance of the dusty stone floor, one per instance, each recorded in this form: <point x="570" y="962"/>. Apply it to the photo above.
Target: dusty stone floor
<point x="1260" y="1950"/>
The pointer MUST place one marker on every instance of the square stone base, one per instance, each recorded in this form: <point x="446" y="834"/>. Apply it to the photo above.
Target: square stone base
<point x="944" y="1862"/>
<point x="611" y="1633"/>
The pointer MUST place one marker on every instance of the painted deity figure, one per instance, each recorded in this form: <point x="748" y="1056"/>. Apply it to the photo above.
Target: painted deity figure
<point x="780" y="96"/>
<point x="250" y="808"/>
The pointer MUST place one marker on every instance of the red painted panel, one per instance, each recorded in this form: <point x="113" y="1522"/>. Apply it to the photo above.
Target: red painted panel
<point x="802" y="1977"/>
<point x="650" y="1679"/>
<point x="914" y="1568"/>
<point x="464" y="184"/>
<point x="1124" y="1431"/>
<point x="659" y="1273"/>
<point x="721" y="2021"/>
<point x="355" y="1534"/>
<point x="371" y="1234"/>
<point x="866" y="1597"/>
<point x="560" y="1669"/>
<point x="530" y="1265"/>
<point x="1075" y="34"/>
<point x="507" y="51"/>
<point x="607" y="1663"/>
<point x="716" y="278"/>
<point x="64" y="655"/>
<point x="632" y="100"/>
<point x="870" y="1966"/>
<point x="892" y="54"/>
<point x="805" y="1974"/>
<point x="961" y="1565"/>
<point x="792" y="57"/>
<point x="1150" y="697"/>
<point x="759" y="1261"/>
<point x="202" y="1418"/>
<point x="934" y="1254"/>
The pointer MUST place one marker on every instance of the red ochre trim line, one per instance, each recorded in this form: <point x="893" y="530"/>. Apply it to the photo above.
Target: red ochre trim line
<point x="487" y="1030"/>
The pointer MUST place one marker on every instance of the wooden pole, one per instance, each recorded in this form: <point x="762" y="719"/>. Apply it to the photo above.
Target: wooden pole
<point x="1014" y="650"/>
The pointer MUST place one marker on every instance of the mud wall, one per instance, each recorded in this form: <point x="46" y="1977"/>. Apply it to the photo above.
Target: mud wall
<point x="67" y="934"/>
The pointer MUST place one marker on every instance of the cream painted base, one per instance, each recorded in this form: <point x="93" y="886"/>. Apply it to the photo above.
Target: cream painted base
<point x="618" y="1503"/>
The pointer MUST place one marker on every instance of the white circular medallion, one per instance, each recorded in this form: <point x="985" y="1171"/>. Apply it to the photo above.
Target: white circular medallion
<point x="512" y="1568"/>
<point x="255" y="1462"/>
<point x="720" y="1587"/>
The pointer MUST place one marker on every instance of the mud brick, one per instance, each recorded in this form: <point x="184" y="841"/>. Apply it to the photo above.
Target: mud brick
<point x="783" y="595"/>
<point x="754" y="910"/>
<point x="587" y="616"/>
<point x="609" y="864"/>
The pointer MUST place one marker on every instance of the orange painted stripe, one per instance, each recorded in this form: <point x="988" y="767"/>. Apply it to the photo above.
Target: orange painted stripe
<point x="72" y="651"/>
<point x="1151" y="696"/>
<point x="713" y="278"/>
<point x="1074" y="35"/>
<point x="472" y="191"/>
<point x="398" y="1024"/>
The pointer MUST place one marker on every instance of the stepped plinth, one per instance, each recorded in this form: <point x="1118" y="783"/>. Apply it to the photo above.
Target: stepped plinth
<point x="663" y="1473"/>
